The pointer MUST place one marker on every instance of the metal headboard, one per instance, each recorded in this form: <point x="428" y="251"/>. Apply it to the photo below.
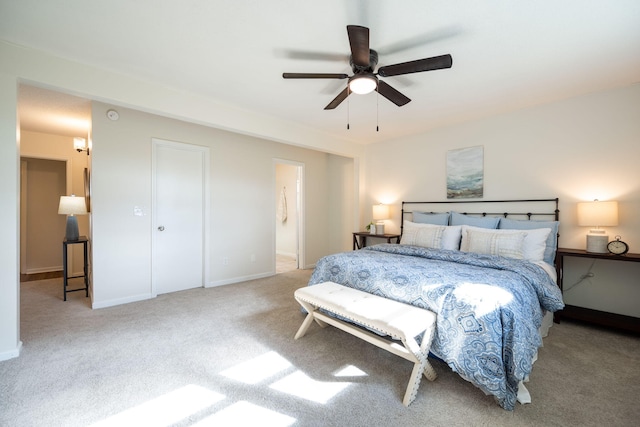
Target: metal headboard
<point x="521" y="204"/>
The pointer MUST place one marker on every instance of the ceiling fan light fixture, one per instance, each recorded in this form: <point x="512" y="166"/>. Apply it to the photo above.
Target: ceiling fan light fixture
<point x="363" y="84"/>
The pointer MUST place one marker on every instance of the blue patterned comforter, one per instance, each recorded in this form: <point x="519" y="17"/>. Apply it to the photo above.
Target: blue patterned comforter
<point x="489" y="308"/>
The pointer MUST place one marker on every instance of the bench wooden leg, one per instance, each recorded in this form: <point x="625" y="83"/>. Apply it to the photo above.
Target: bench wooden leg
<point x="308" y="320"/>
<point x="421" y="366"/>
<point x="305" y="325"/>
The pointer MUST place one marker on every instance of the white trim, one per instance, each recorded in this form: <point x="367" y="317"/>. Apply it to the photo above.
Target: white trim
<point x="119" y="301"/>
<point x="48" y="270"/>
<point x="239" y="279"/>
<point x="11" y="354"/>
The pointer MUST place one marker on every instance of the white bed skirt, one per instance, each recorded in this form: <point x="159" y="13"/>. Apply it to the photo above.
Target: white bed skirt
<point x="523" y="394"/>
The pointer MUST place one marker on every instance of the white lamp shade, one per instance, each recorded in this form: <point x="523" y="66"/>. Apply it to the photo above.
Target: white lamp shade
<point x="72" y="205"/>
<point x="598" y="214"/>
<point x="380" y="212"/>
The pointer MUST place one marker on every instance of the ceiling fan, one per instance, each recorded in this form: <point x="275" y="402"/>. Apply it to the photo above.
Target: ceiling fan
<point x="364" y="80"/>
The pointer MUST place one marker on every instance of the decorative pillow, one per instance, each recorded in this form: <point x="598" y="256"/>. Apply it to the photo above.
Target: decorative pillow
<point x="489" y="242"/>
<point x="552" y="239"/>
<point x="533" y="245"/>
<point x="450" y="235"/>
<point x="425" y="235"/>
<point x="475" y="221"/>
<point x="431" y="218"/>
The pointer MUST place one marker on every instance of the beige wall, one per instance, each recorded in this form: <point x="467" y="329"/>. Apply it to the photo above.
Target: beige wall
<point x="578" y="149"/>
<point x="41" y="228"/>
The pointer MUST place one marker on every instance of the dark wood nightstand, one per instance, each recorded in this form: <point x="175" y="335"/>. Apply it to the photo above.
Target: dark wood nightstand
<point x="603" y="318"/>
<point x="360" y="238"/>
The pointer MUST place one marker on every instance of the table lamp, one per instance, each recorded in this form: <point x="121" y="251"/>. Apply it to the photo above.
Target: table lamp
<point x="380" y="213"/>
<point x="72" y="206"/>
<point x="597" y="214"/>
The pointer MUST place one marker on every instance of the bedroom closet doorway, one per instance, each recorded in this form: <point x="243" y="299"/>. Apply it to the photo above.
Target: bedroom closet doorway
<point x="179" y="216"/>
<point x="288" y="223"/>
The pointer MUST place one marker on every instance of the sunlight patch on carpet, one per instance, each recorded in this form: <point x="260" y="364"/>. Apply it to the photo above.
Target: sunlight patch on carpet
<point x="300" y="385"/>
<point x="165" y="410"/>
<point x="350" y="371"/>
<point x="246" y="414"/>
<point x="257" y="369"/>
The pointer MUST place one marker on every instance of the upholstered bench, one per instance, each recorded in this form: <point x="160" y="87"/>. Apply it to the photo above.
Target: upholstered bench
<point x="401" y="322"/>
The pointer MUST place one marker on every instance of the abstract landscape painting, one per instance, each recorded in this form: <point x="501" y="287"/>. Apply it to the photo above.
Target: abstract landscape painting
<point x="465" y="173"/>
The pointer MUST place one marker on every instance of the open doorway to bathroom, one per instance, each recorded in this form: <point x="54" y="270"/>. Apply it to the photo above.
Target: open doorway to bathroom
<point x="288" y="226"/>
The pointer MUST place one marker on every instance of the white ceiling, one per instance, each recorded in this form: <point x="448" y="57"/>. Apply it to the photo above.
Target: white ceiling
<point x="506" y="54"/>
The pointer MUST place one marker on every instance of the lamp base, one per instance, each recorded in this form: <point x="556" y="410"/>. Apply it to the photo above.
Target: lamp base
<point x="72" y="233"/>
<point x="597" y="242"/>
<point x="380" y="227"/>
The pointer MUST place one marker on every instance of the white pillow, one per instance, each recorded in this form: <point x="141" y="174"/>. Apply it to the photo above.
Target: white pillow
<point x="425" y="235"/>
<point x="503" y="244"/>
<point x="506" y="242"/>
<point x="450" y="237"/>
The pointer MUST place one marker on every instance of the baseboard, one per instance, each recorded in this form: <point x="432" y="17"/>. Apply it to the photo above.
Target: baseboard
<point x="43" y="270"/>
<point x="11" y="354"/>
<point x="239" y="279"/>
<point x="119" y="301"/>
<point x="289" y="254"/>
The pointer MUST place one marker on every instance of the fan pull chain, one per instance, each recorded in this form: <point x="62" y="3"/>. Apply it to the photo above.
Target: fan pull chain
<point x="348" y="107"/>
<point x="377" y="111"/>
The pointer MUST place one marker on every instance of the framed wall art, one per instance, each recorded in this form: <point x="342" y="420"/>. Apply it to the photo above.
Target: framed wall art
<point x="465" y="173"/>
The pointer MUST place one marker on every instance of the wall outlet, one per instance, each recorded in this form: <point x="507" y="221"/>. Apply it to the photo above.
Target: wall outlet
<point x="253" y="257"/>
<point x="225" y="260"/>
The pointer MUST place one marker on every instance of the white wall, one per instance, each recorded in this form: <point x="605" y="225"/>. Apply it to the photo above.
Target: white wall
<point x="578" y="149"/>
<point x="28" y="66"/>
<point x="243" y="208"/>
<point x="9" y="232"/>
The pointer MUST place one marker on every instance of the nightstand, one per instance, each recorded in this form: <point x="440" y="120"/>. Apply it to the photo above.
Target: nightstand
<point x="589" y="315"/>
<point x="360" y="238"/>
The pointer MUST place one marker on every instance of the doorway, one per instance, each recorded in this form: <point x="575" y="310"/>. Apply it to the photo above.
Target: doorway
<point x="42" y="182"/>
<point x="288" y="226"/>
<point x="180" y="208"/>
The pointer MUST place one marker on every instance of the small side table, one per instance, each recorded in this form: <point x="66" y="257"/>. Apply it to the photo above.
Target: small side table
<point x="82" y="240"/>
<point x="598" y="317"/>
<point x="360" y="238"/>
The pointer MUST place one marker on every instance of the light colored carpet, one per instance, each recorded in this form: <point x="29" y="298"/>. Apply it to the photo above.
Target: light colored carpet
<point x="179" y="359"/>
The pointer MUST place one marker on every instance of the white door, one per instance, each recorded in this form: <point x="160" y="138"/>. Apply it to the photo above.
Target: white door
<point x="180" y="176"/>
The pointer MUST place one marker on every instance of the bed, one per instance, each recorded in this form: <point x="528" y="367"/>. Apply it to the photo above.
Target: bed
<point x="489" y="277"/>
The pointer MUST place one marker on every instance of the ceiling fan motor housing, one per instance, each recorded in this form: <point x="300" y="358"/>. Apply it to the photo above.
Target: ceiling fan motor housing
<point x="373" y="61"/>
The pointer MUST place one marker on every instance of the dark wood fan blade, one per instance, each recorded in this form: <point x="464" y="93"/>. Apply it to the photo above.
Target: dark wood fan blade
<point x="359" y="42"/>
<point x="313" y="76"/>
<point x="391" y="94"/>
<point x="338" y="99"/>
<point x="418" y="66"/>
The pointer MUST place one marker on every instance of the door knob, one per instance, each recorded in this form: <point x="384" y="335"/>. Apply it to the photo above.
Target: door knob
<point x="161" y="228"/>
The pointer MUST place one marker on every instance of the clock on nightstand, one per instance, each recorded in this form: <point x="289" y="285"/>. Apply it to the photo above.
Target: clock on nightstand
<point x="618" y="247"/>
